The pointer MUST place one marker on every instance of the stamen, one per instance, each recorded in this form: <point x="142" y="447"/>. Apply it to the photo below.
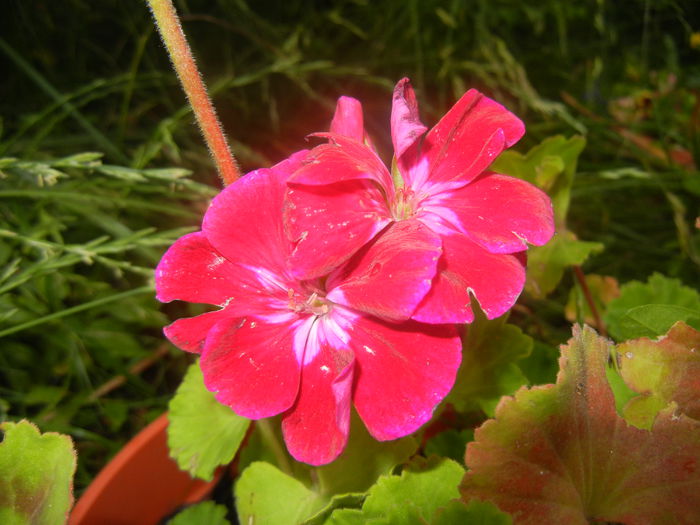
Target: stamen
<point x="405" y="204"/>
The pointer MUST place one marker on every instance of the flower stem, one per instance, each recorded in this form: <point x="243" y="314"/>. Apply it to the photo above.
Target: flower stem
<point x="272" y="441"/>
<point x="581" y="278"/>
<point x="174" y="39"/>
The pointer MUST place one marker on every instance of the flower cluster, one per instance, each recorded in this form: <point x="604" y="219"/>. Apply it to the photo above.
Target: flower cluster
<point x="340" y="284"/>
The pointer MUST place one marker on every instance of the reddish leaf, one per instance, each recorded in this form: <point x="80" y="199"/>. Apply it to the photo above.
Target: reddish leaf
<point x="561" y="454"/>
<point x="663" y="370"/>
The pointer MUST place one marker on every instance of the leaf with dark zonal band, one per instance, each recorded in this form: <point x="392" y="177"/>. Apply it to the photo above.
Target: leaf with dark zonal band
<point x="561" y="454"/>
<point x="36" y="475"/>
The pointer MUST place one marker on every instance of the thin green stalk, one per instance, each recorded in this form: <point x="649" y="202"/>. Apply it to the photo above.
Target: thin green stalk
<point x="81" y="307"/>
<point x="131" y="82"/>
<point x="40" y="81"/>
<point x="272" y="441"/>
<point x="174" y="39"/>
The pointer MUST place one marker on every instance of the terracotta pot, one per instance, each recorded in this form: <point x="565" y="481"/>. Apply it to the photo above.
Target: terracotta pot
<point x="141" y="485"/>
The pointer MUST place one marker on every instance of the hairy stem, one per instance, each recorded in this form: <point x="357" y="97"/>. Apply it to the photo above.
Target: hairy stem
<point x="186" y="69"/>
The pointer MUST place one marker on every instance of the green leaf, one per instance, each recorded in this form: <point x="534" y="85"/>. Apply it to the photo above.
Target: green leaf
<point x="344" y="502"/>
<point x="662" y="371"/>
<point x="205" y="513"/>
<point x="651" y="320"/>
<point x="546" y="264"/>
<point x="561" y="454"/>
<point x="424" y="487"/>
<point x="476" y="512"/>
<point x="363" y="461"/>
<point x="36" y="475"/>
<point x="351" y="517"/>
<point x="620" y="390"/>
<point x="489" y="370"/>
<point x="267" y="496"/>
<point x="120" y="172"/>
<point x="659" y="290"/>
<point x="203" y="433"/>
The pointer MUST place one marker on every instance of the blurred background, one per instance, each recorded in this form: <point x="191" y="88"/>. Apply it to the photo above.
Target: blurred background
<point x="102" y="167"/>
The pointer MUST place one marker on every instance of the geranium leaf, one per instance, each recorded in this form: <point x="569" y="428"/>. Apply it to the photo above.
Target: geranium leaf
<point x="561" y="454"/>
<point x="352" y="517"/>
<point x="348" y="502"/>
<point x="203" y="433"/>
<point x="36" y="475"/>
<point x="488" y="370"/>
<point x="662" y="371"/>
<point x="205" y="513"/>
<point x="658" y="290"/>
<point x="651" y="320"/>
<point x="423" y="488"/>
<point x="268" y="496"/>
<point x="473" y="513"/>
<point x="546" y="264"/>
<point x="363" y="461"/>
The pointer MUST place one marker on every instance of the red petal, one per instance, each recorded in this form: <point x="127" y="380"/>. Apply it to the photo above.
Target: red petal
<point x="330" y="223"/>
<point x="348" y="120"/>
<point x="286" y="167"/>
<point x="403" y="372"/>
<point x="192" y="270"/>
<point x="495" y="280"/>
<point x="498" y="212"/>
<point x="244" y="222"/>
<point x="190" y="333"/>
<point x="250" y="365"/>
<point x="406" y="127"/>
<point x="391" y="276"/>
<point x="341" y="160"/>
<point x="467" y="139"/>
<point x="316" y="427"/>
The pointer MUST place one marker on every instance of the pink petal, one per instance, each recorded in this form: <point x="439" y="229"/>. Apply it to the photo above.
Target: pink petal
<point x="286" y="167"/>
<point x="342" y="159"/>
<point x="244" y="222"/>
<point x="467" y="140"/>
<point x="348" y="120"/>
<point x="250" y="365"/>
<point x="406" y="127"/>
<point x="192" y="270"/>
<point x="190" y="333"/>
<point x="330" y="223"/>
<point x="389" y="277"/>
<point x="495" y="280"/>
<point x="403" y="372"/>
<point x="500" y="213"/>
<point x="316" y="427"/>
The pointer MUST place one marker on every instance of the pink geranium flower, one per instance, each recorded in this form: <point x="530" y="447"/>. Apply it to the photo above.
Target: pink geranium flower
<point x="343" y="197"/>
<point x="309" y="348"/>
